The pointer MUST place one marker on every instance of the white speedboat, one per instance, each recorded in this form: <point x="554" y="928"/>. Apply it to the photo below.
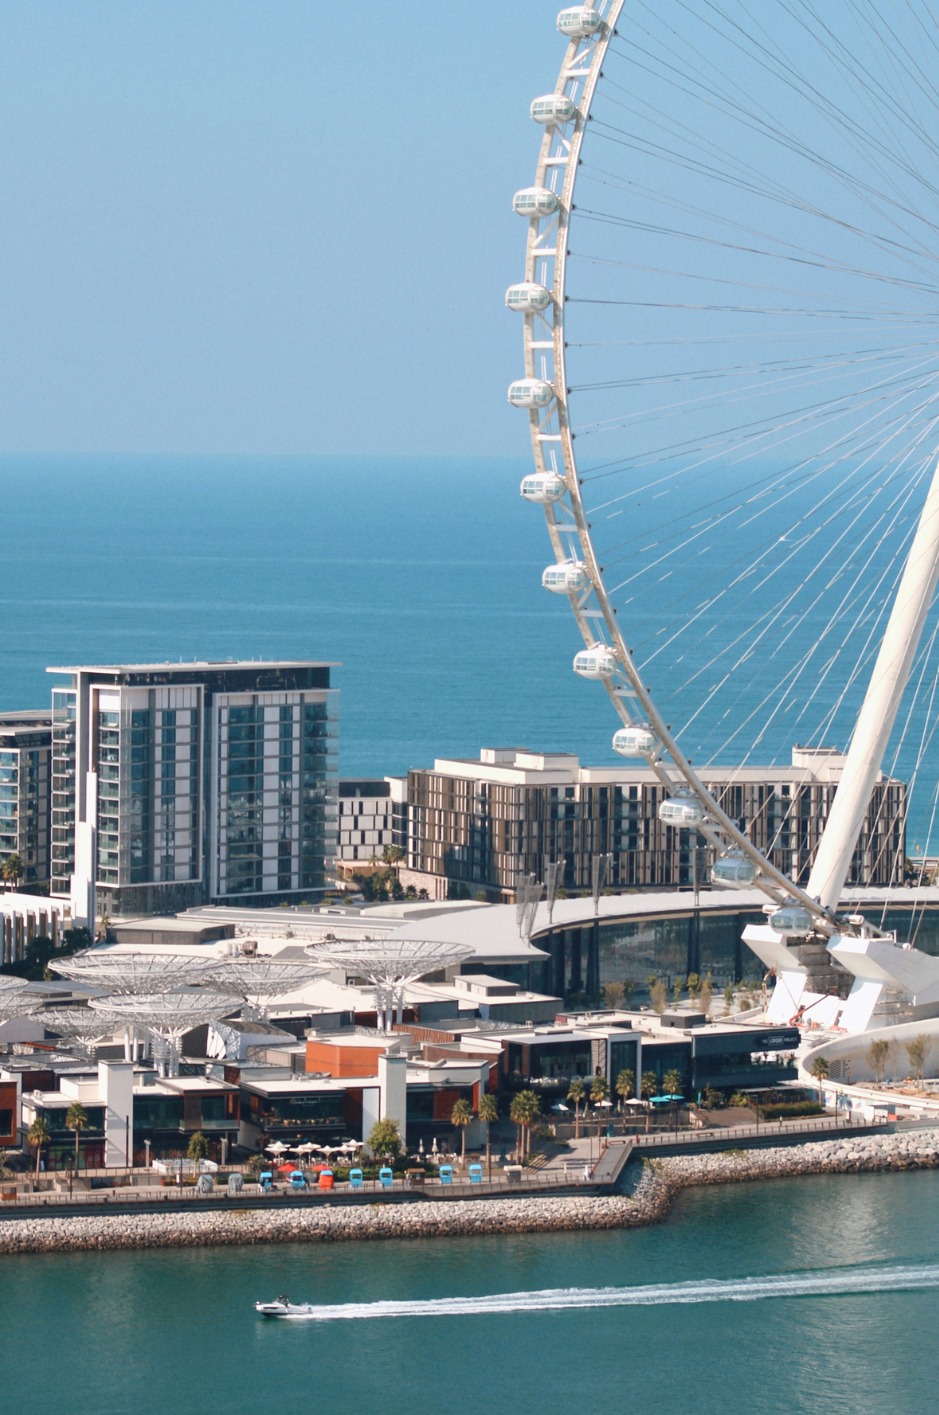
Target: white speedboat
<point x="281" y="1307"/>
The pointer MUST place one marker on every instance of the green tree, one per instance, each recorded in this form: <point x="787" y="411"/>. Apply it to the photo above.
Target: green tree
<point x="694" y="987"/>
<point x="12" y="870"/>
<point x="384" y="1139"/>
<point x="629" y="987"/>
<point x="917" y="1050"/>
<point x="677" y="989"/>
<point x="877" y="1054"/>
<point x="392" y="854"/>
<point x="576" y="1092"/>
<point x="461" y="1116"/>
<point x="707" y="994"/>
<point x="198" y="1147"/>
<point x="729" y="990"/>
<point x="38" y="1135"/>
<point x="76" y="1118"/>
<point x="488" y="1114"/>
<point x="820" y="1070"/>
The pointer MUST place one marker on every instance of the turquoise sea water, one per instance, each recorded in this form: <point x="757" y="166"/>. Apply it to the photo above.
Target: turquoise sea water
<point x="422" y="580"/>
<point x="149" y="1332"/>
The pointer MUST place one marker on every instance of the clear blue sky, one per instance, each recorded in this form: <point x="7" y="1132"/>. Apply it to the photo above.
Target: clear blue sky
<point x="233" y="226"/>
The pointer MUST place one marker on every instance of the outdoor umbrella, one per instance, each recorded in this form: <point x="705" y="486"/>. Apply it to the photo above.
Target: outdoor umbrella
<point x="277" y="1147"/>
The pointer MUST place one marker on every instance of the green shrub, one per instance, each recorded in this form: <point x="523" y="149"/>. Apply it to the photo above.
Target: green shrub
<point x="789" y="1110"/>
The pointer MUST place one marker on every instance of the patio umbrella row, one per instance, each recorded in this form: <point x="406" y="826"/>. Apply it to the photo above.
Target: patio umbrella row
<point x="277" y="1147"/>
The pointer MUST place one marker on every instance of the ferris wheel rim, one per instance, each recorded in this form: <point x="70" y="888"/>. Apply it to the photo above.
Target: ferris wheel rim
<point x="579" y="75"/>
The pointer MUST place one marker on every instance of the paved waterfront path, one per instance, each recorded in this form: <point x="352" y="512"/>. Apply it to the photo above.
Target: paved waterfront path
<point x="655" y="1183"/>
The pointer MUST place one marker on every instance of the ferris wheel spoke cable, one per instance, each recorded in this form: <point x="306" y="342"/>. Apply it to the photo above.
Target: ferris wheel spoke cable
<point x="776" y="245"/>
<point x="787" y="483"/>
<point x="748" y="406"/>
<point x="758" y="430"/>
<point x="870" y="90"/>
<point x="744" y="441"/>
<point x="779" y="567"/>
<point x="796" y="371"/>
<point x="723" y="166"/>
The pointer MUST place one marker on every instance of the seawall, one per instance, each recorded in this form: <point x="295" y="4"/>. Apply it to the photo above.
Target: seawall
<point x="656" y="1184"/>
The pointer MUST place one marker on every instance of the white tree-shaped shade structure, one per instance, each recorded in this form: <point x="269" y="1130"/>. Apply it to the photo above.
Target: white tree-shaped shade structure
<point x="128" y="973"/>
<point x="257" y="981"/>
<point x="389" y="965"/>
<point x="17" y="1002"/>
<point x="84" y="1027"/>
<point x="167" y="1016"/>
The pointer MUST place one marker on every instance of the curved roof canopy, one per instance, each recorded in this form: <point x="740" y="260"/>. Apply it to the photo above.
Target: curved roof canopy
<point x="251" y="978"/>
<point x="390" y="961"/>
<point x="168" y="1014"/>
<point x="129" y="973"/>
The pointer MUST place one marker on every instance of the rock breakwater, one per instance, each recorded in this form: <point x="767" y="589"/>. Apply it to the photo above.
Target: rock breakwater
<point x="656" y="1184"/>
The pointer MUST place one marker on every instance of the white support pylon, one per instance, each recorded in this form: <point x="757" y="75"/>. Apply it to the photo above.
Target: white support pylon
<point x="879" y="710"/>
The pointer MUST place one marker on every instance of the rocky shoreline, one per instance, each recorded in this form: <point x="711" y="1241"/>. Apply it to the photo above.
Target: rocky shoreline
<point x="656" y="1184"/>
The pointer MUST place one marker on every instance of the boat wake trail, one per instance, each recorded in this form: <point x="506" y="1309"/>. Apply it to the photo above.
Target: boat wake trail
<point x="838" y="1282"/>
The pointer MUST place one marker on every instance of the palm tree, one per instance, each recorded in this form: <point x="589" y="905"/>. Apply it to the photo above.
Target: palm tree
<point x="525" y="1111"/>
<point x="38" y="1135"/>
<point x="516" y="1115"/>
<point x="624" y="1086"/>
<point x="599" y="1091"/>
<point x="12" y="870"/>
<point x="819" y="1070"/>
<point x="488" y="1113"/>
<point x="576" y="1092"/>
<point x="673" y="1083"/>
<point x="461" y="1116"/>
<point x="647" y="1087"/>
<point x="76" y="1118"/>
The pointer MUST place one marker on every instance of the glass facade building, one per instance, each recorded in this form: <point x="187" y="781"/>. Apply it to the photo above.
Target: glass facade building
<point x="196" y="783"/>
<point x="25" y="803"/>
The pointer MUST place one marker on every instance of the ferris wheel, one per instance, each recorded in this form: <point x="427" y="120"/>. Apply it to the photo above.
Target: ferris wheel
<point x="730" y="360"/>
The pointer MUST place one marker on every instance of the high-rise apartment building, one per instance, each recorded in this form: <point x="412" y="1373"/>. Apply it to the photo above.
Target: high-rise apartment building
<point x="484" y="826"/>
<point x="182" y="784"/>
<point x="25" y="757"/>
